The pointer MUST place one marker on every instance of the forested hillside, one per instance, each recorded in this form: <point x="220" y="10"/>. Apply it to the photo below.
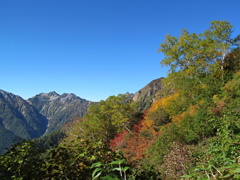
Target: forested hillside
<point x="190" y="131"/>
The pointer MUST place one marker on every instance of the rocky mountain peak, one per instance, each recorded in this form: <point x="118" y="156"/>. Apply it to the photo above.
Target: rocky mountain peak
<point x="8" y="95"/>
<point x="47" y="96"/>
<point x="53" y="93"/>
<point x="59" y="109"/>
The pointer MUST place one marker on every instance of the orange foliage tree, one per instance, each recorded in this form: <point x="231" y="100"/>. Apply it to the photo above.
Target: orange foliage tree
<point x="133" y="144"/>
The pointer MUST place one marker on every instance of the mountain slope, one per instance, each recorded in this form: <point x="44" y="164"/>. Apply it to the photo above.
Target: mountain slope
<point x="59" y="109"/>
<point x="18" y="119"/>
<point x="146" y="96"/>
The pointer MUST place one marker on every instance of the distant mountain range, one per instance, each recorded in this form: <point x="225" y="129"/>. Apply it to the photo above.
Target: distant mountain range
<point x="59" y="109"/>
<point x="39" y="115"/>
<point x="46" y="112"/>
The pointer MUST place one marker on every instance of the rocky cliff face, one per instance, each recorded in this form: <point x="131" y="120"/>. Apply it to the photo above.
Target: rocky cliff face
<point x="146" y="96"/>
<point x="59" y="109"/>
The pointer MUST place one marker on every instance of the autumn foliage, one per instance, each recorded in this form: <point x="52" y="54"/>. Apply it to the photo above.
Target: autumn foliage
<point x="133" y="144"/>
<point x="191" y="130"/>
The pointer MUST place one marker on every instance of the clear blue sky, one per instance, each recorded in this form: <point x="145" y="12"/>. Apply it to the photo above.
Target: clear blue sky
<point x="95" y="48"/>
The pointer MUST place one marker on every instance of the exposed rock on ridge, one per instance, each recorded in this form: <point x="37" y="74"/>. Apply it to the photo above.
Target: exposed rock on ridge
<point x="146" y="96"/>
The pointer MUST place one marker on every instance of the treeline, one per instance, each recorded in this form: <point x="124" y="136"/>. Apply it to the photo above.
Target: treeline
<point x="191" y="131"/>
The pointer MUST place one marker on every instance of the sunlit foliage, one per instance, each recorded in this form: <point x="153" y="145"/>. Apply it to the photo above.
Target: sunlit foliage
<point x="191" y="131"/>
